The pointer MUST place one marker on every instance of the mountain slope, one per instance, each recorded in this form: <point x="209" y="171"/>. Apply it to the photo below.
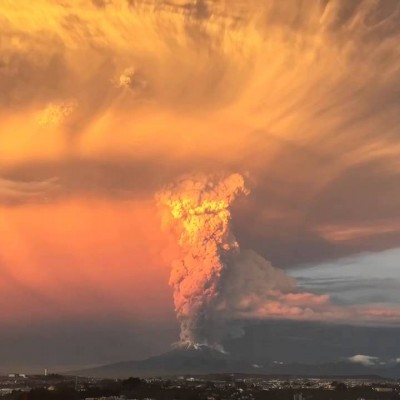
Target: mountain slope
<point x="204" y="360"/>
<point x="179" y="361"/>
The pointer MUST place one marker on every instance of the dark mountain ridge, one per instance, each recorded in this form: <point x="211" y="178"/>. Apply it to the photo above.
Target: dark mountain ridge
<point x="203" y="360"/>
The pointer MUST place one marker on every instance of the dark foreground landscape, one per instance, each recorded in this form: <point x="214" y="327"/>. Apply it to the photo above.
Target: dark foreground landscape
<point x="212" y="387"/>
<point x="202" y="373"/>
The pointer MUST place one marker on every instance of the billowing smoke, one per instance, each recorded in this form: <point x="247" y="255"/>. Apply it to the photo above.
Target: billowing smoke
<point x="214" y="281"/>
<point x="217" y="285"/>
<point x="199" y="210"/>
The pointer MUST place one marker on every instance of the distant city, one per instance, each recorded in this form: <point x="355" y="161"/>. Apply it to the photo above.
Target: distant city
<point x="19" y="386"/>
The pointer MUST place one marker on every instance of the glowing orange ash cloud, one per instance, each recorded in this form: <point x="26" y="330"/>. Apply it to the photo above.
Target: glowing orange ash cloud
<point x="202" y="208"/>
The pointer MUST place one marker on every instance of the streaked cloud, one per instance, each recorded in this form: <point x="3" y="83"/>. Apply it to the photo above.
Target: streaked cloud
<point x="117" y="98"/>
<point x="348" y="233"/>
<point x="362" y="279"/>
<point x="16" y="192"/>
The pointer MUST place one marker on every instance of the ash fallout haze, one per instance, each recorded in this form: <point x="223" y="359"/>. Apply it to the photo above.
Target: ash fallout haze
<point x="199" y="173"/>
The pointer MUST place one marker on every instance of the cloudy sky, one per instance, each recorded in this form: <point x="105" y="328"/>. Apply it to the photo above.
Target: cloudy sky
<point x="104" y="102"/>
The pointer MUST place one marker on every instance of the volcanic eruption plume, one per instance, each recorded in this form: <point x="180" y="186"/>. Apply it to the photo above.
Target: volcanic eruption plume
<point x="213" y="281"/>
<point x="216" y="284"/>
<point x="201" y="208"/>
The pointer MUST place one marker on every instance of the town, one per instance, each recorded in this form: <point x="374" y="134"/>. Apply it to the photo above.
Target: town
<point x="209" y="387"/>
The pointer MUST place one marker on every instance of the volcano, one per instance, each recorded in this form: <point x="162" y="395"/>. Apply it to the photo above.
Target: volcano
<point x="204" y="360"/>
<point x="194" y="360"/>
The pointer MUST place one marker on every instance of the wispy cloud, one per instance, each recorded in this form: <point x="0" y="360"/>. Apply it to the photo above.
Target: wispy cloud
<point x="341" y="233"/>
<point x="16" y="192"/>
<point x="370" y="278"/>
<point x="117" y="97"/>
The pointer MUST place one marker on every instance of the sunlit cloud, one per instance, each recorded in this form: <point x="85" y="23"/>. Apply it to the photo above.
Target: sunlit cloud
<point x="56" y="113"/>
<point x="364" y="360"/>
<point x="348" y="233"/>
<point x="119" y="98"/>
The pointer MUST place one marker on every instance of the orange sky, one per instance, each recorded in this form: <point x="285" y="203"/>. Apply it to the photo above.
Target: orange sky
<point x="104" y="102"/>
<point x="76" y="258"/>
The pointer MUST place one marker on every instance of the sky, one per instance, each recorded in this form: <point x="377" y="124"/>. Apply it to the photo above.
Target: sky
<point x="103" y="103"/>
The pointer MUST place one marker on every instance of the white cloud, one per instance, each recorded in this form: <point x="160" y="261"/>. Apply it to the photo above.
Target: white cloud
<point x="363" y="359"/>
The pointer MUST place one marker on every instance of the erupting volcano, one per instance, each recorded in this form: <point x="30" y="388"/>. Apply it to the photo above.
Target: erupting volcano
<point x="216" y="284"/>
